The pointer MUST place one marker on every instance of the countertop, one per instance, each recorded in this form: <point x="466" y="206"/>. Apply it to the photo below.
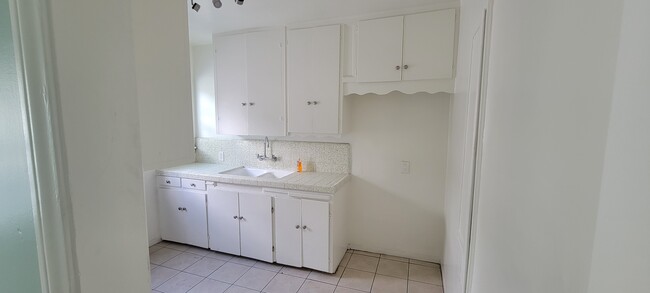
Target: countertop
<point x="303" y="181"/>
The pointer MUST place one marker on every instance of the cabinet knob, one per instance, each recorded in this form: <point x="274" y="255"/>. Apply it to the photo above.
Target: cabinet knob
<point x="241" y="218"/>
<point x="193" y="185"/>
<point x="251" y="104"/>
<point x="234" y="217"/>
<point x="397" y="67"/>
<point x="297" y="226"/>
<point x="406" y="67"/>
<point x="168" y="182"/>
<point x="185" y="209"/>
<point x="243" y="104"/>
<point x="180" y="208"/>
<point x="304" y="227"/>
<point x="308" y="102"/>
<point x="315" y="102"/>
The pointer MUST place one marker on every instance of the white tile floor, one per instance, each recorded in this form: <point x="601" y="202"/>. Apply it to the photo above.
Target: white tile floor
<point x="177" y="268"/>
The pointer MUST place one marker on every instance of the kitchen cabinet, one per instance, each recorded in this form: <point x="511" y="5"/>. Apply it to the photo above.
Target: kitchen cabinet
<point x="249" y="83"/>
<point x="240" y="222"/>
<point x="313" y="79"/>
<point x="182" y="211"/>
<point x="302" y="229"/>
<point x="407" y="48"/>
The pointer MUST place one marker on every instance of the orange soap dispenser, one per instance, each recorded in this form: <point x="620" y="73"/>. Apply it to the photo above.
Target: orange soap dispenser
<point x="299" y="167"/>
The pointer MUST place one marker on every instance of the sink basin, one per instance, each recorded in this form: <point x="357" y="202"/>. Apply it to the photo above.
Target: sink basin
<point x="260" y="173"/>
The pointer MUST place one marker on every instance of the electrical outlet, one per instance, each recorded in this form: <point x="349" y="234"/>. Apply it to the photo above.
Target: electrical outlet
<point x="220" y="156"/>
<point x="405" y="167"/>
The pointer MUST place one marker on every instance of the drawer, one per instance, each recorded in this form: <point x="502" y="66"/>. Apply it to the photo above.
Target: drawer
<point x="193" y="184"/>
<point x="169" y="181"/>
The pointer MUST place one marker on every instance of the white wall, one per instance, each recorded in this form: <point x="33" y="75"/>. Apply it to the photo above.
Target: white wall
<point x="471" y="16"/>
<point x="162" y="66"/>
<point x="548" y="99"/>
<point x="621" y="255"/>
<point x="390" y="212"/>
<point x="93" y="46"/>
<point x="203" y="91"/>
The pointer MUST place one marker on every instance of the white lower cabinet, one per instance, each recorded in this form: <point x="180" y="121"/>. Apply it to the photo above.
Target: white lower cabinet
<point x="240" y="222"/>
<point x="301" y="229"/>
<point x="183" y="216"/>
<point x="302" y="232"/>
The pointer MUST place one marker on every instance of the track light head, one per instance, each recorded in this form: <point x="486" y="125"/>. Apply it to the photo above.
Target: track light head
<point x="196" y="6"/>
<point x="216" y="3"/>
<point x="240" y="2"/>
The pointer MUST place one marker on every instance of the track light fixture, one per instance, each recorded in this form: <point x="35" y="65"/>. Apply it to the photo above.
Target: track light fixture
<point x="217" y="4"/>
<point x="195" y="6"/>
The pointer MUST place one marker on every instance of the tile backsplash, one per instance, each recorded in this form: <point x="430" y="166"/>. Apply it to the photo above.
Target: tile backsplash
<point x="315" y="156"/>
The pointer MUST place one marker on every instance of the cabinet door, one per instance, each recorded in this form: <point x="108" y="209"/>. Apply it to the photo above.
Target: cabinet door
<point x="429" y="40"/>
<point x="300" y="67"/>
<point x="325" y="78"/>
<point x="315" y="234"/>
<point x="223" y="221"/>
<point x="183" y="217"/>
<point x="265" y="80"/>
<point x="256" y="226"/>
<point x="230" y="83"/>
<point x="379" y="55"/>
<point x="288" y="232"/>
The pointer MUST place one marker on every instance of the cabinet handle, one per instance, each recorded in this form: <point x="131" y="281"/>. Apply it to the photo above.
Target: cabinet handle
<point x="241" y="218"/>
<point x="308" y="102"/>
<point x="304" y="227"/>
<point x="180" y="208"/>
<point x="193" y="185"/>
<point x="297" y="226"/>
<point x="251" y="104"/>
<point x="397" y="67"/>
<point x="168" y="182"/>
<point x="315" y="102"/>
<point x="243" y="104"/>
<point x="406" y="67"/>
<point x="185" y="209"/>
<point x="234" y="217"/>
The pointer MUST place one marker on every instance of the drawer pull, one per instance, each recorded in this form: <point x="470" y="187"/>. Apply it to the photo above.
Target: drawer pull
<point x="241" y="218"/>
<point x="180" y="208"/>
<point x="168" y="182"/>
<point x="297" y="226"/>
<point x="234" y="217"/>
<point x="304" y="227"/>
<point x="193" y="185"/>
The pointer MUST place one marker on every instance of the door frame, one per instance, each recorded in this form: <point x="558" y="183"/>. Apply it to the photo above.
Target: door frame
<point x="478" y="152"/>
<point x="50" y="198"/>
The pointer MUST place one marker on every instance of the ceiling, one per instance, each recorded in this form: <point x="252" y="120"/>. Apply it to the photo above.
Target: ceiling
<point x="264" y="13"/>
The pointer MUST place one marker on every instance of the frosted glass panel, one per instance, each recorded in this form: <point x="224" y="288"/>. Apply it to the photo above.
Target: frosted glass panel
<point x="19" y="270"/>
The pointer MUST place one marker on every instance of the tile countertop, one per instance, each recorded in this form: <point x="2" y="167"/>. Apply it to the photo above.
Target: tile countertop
<point x="304" y="181"/>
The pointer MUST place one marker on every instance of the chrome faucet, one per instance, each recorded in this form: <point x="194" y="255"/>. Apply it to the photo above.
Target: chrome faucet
<point x="267" y="145"/>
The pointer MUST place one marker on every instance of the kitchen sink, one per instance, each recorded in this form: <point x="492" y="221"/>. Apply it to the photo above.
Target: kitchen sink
<point x="258" y="173"/>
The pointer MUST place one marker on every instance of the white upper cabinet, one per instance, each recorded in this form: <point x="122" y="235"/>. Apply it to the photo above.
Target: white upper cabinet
<point x="313" y="79"/>
<point x="380" y="49"/>
<point x="249" y="82"/>
<point x="429" y="40"/>
<point x="407" y="48"/>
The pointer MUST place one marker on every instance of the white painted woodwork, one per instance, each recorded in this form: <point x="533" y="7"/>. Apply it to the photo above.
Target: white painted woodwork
<point x="183" y="216"/>
<point x="169" y="181"/>
<point x="223" y="220"/>
<point x="429" y="40"/>
<point x="410" y="53"/>
<point x="379" y="56"/>
<point x="230" y="84"/>
<point x="316" y="234"/>
<point x="288" y="231"/>
<point x="249" y="82"/>
<point x="265" y="83"/>
<point x="313" y="75"/>
<point x="256" y="226"/>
